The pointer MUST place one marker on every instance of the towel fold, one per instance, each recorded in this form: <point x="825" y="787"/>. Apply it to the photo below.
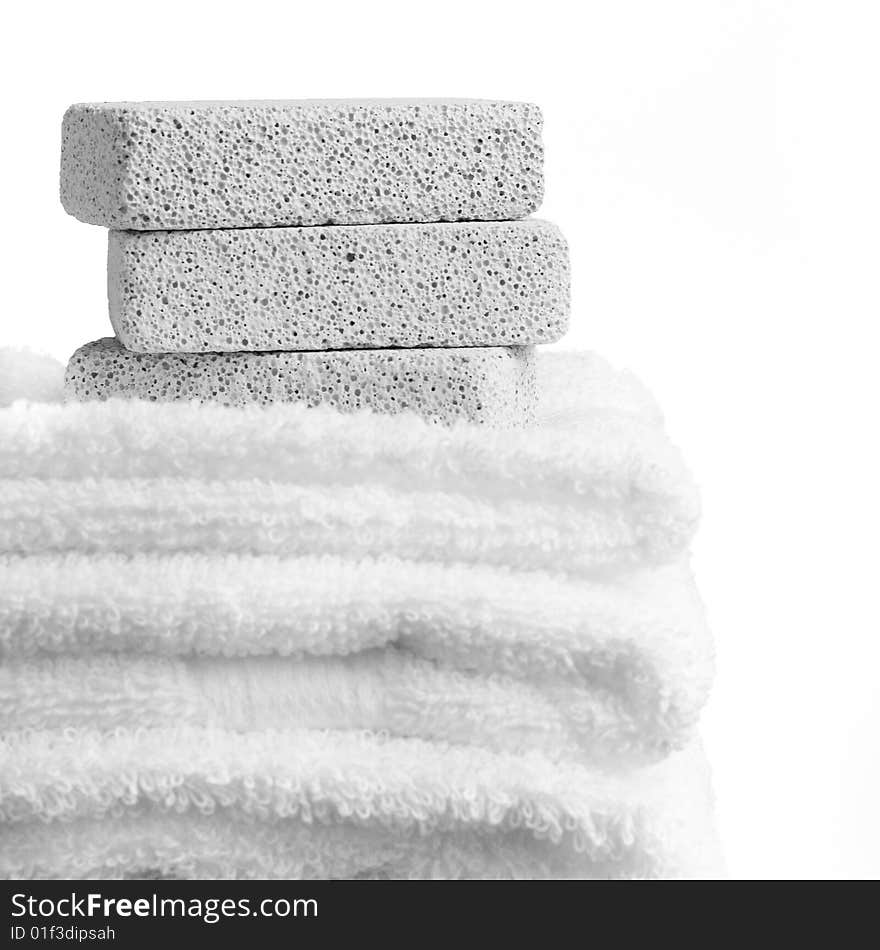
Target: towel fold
<point x="596" y="485"/>
<point x="199" y="802"/>
<point x="289" y="642"/>
<point x="601" y="670"/>
<point x="136" y="516"/>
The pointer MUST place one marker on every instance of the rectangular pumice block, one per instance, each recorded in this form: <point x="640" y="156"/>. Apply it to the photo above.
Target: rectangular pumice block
<point x="491" y="385"/>
<point x="386" y="285"/>
<point x="152" y="166"/>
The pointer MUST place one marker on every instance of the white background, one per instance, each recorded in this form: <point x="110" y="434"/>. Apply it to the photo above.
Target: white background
<point x="715" y="167"/>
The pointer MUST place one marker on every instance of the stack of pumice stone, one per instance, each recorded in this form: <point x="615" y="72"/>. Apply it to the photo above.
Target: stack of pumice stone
<point x="360" y="253"/>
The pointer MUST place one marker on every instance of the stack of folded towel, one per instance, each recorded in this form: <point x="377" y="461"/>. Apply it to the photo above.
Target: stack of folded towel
<point x="284" y="640"/>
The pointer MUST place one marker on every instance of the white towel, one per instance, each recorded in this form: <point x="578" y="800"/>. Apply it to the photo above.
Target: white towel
<point x="25" y="374"/>
<point x="601" y="670"/>
<point x="595" y="486"/>
<point x="292" y="642"/>
<point x="208" y="803"/>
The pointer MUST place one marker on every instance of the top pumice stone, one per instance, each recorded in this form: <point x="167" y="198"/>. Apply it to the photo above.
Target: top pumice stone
<point x="150" y="166"/>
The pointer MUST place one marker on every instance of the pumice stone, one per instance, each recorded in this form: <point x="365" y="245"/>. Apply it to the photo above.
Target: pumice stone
<point x="179" y="165"/>
<point x="491" y="385"/>
<point x="322" y="288"/>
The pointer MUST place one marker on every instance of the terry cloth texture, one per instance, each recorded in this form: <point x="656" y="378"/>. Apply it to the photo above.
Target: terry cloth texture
<point x="605" y="671"/>
<point x="289" y="642"/>
<point x="199" y="802"/>
<point x="594" y="485"/>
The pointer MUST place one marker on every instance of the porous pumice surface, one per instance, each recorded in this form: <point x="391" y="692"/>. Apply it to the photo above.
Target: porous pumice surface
<point x="176" y="165"/>
<point x="491" y="385"/>
<point x="386" y="285"/>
